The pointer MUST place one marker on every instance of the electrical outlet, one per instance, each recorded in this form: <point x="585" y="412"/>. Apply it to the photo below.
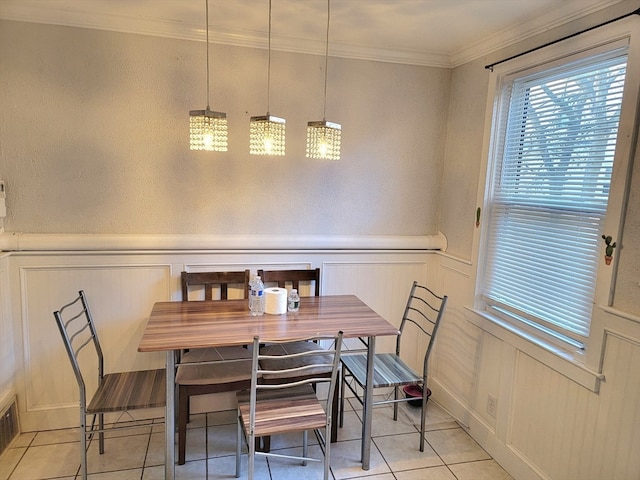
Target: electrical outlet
<point x="492" y="405"/>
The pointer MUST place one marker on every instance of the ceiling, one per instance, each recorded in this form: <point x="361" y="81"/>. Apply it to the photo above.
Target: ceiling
<point x="442" y="33"/>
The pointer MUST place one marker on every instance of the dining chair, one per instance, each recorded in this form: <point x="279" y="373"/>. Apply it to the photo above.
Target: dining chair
<point x="292" y="279"/>
<point x="422" y="314"/>
<point x="202" y="371"/>
<point x="115" y="392"/>
<point x="289" y="406"/>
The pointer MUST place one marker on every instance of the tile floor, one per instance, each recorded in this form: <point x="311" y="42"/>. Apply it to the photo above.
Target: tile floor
<point x="450" y="453"/>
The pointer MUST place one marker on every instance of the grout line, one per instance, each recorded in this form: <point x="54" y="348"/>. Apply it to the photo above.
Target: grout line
<point x="206" y="446"/>
<point x="146" y="454"/>
<point x="373" y="441"/>
<point x="211" y="425"/>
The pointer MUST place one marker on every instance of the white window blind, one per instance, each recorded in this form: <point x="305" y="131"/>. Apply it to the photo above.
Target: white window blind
<point x="549" y="194"/>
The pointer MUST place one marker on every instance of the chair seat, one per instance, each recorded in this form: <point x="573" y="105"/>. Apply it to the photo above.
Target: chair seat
<point x="130" y="391"/>
<point x="292" y="348"/>
<point x="212" y="374"/>
<point x="283" y="410"/>
<point x="213" y="354"/>
<point x="389" y="370"/>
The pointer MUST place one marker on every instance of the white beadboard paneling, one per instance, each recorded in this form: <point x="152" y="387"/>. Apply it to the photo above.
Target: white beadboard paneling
<point x="384" y="286"/>
<point x="458" y="344"/>
<point x="570" y="432"/>
<point x="535" y="388"/>
<point x="120" y="298"/>
<point x="549" y="426"/>
<point x="617" y="427"/>
<point x="456" y="354"/>
<point x="122" y="287"/>
<point x="7" y="350"/>
<point x="487" y="378"/>
<point x="534" y="425"/>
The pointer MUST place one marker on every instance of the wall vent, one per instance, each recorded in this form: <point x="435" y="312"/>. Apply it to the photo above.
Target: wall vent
<point x="8" y="425"/>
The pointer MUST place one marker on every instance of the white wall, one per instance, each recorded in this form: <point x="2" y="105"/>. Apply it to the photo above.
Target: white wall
<point x="552" y="421"/>
<point x="66" y="113"/>
<point x="95" y="139"/>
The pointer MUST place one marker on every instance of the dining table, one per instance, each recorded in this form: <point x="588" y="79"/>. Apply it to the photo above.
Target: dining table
<point x="176" y="326"/>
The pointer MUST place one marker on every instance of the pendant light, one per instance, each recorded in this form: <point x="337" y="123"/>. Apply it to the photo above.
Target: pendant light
<point x="266" y="132"/>
<point x="207" y="129"/>
<point x="323" y="138"/>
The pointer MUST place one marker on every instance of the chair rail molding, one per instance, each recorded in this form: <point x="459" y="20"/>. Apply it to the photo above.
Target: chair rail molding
<point x="42" y="242"/>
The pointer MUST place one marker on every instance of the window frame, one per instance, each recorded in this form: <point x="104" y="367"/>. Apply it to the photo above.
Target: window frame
<point x="624" y="33"/>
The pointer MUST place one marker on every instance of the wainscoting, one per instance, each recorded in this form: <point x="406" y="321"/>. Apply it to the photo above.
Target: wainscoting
<point x="547" y="423"/>
<point x="122" y="286"/>
<point x="550" y="421"/>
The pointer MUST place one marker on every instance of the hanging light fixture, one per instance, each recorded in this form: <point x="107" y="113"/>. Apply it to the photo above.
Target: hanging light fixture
<point x="207" y="129"/>
<point x="323" y="138"/>
<point x="266" y="132"/>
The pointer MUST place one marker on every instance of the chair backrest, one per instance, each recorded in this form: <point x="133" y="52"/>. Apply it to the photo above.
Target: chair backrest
<point x="78" y="331"/>
<point x="209" y="280"/>
<point x="424" y="310"/>
<point x="295" y="366"/>
<point x="294" y="277"/>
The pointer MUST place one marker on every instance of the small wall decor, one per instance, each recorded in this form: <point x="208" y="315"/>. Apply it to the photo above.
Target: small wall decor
<point x="608" y="254"/>
<point x="478" y="217"/>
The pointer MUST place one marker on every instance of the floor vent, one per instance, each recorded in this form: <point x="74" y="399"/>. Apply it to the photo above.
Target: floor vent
<point x="8" y="425"/>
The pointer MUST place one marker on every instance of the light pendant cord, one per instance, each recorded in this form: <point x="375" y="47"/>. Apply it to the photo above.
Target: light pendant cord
<point x="269" y="63"/>
<point x="207" y="30"/>
<point x="326" y="61"/>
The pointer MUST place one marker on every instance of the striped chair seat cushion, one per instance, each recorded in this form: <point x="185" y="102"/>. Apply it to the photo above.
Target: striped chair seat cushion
<point x="213" y="373"/>
<point x="389" y="369"/>
<point x="294" y="347"/>
<point x="129" y="391"/>
<point x="283" y="410"/>
<point x="213" y="354"/>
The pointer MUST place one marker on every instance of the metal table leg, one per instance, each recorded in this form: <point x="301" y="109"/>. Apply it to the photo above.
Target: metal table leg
<point x="367" y="412"/>
<point x="169" y="419"/>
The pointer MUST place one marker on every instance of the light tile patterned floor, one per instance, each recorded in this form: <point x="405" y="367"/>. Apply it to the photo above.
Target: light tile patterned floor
<point x="450" y="454"/>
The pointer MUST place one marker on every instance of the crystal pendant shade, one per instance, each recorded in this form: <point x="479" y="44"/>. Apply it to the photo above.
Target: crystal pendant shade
<point x="267" y="135"/>
<point x="323" y="140"/>
<point x="208" y="130"/>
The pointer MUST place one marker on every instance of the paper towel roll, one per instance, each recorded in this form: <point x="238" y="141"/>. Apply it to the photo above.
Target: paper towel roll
<point x="275" y="300"/>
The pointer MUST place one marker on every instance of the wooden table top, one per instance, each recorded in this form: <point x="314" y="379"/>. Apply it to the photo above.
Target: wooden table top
<point x="199" y="324"/>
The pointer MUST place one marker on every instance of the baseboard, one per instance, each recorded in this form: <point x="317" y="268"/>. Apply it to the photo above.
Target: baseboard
<point x="510" y="459"/>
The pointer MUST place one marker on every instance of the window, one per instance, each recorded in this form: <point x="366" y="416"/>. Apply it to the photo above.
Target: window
<point x="555" y="131"/>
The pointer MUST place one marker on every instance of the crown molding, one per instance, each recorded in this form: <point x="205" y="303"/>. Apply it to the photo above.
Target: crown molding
<point x="239" y="38"/>
<point x="48" y="13"/>
<point x="565" y="13"/>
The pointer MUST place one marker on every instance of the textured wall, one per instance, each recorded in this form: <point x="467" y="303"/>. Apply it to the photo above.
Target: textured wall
<point x="547" y="426"/>
<point x="94" y="138"/>
<point x="463" y="156"/>
<point x="465" y="130"/>
<point x="627" y="296"/>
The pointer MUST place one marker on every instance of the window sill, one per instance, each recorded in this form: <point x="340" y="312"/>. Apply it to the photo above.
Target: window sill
<point x="550" y="355"/>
